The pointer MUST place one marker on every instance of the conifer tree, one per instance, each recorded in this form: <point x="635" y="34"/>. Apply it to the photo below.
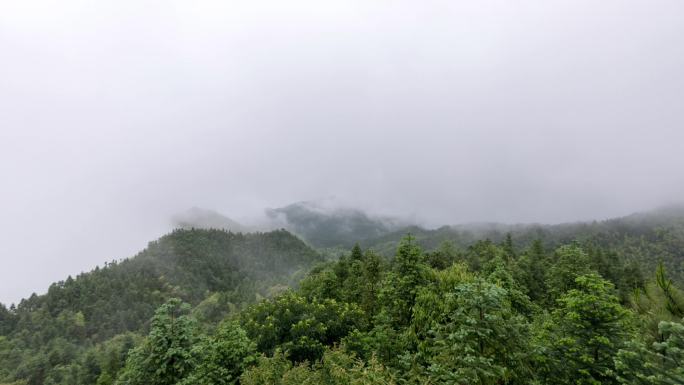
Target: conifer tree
<point x="223" y="357"/>
<point x="409" y="273"/>
<point x="588" y="329"/>
<point x="356" y="253"/>
<point x="165" y="357"/>
<point x="571" y="262"/>
<point x="661" y="364"/>
<point x="532" y="266"/>
<point x="478" y="339"/>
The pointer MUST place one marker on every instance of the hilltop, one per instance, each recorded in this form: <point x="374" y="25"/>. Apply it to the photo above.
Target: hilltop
<point x="217" y="271"/>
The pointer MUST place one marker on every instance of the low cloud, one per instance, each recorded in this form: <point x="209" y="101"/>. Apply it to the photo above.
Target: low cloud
<point x="117" y="116"/>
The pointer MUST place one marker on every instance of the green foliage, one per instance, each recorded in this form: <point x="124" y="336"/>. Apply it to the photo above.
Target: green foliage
<point x="532" y="267"/>
<point x="223" y="357"/>
<point x="356" y="253"/>
<point x="443" y="257"/>
<point x="660" y="364"/>
<point x="571" y="261"/>
<point x="323" y="228"/>
<point x="369" y="283"/>
<point x="165" y="357"/>
<point x="674" y="300"/>
<point x="301" y="328"/>
<point x="475" y="338"/>
<point x="587" y="330"/>
<point x="659" y="300"/>
<point x="430" y="304"/>
<point x="508" y="248"/>
<point x="481" y="253"/>
<point x="335" y="368"/>
<point x="485" y="305"/>
<point x="502" y="277"/>
<point x="401" y="285"/>
<point x="641" y="239"/>
<point x="102" y="363"/>
<point x="7" y="320"/>
<point x="49" y="337"/>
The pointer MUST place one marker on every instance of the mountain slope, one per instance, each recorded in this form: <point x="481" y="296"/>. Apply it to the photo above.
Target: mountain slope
<point x="189" y="264"/>
<point x="50" y="338"/>
<point x="645" y="238"/>
<point x="330" y="227"/>
<point x="103" y="313"/>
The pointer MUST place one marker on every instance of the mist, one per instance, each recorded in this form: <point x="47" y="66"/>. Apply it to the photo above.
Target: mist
<point x="116" y="116"/>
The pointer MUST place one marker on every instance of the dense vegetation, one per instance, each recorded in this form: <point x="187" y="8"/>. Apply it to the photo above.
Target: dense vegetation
<point x="645" y="239"/>
<point x="330" y="227"/>
<point x="82" y="327"/>
<point x="571" y="304"/>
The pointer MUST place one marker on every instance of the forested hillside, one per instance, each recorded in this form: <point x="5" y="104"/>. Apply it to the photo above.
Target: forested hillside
<point x="341" y="192"/>
<point x="45" y="338"/>
<point x="330" y="227"/>
<point x="566" y="304"/>
<point x="644" y="238"/>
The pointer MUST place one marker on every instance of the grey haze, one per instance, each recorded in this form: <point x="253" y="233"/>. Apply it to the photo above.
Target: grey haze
<point x="117" y="115"/>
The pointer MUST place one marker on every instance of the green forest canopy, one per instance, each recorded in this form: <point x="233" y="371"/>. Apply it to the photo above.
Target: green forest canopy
<point x="571" y="304"/>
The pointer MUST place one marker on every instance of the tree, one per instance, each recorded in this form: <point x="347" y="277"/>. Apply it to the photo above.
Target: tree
<point x="370" y="278"/>
<point x="533" y="265"/>
<point x="356" y="253"/>
<point x="502" y="277"/>
<point x="571" y="262"/>
<point x="477" y="338"/>
<point x="222" y="358"/>
<point x="659" y="300"/>
<point x="674" y="300"/>
<point x="443" y="257"/>
<point x="337" y="367"/>
<point x="588" y="328"/>
<point x="480" y="253"/>
<point x="321" y="283"/>
<point x="301" y="328"/>
<point x="661" y="364"/>
<point x="508" y="248"/>
<point x="7" y="320"/>
<point x="165" y="357"/>
<point x="409" y="273"/>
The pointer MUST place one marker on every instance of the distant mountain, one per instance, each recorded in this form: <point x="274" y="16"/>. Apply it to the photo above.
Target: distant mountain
<point x="330" y="226"/>
<point x="104" y="312"/>
<point x="646" y="238"/>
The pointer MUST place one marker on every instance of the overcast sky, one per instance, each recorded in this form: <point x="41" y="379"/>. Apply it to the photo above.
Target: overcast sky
<point x="114" y="115"/>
